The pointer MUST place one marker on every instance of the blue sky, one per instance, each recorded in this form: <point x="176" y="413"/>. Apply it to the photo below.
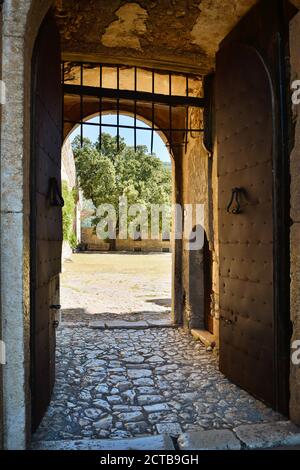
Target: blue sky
<point x="143" y="137"/>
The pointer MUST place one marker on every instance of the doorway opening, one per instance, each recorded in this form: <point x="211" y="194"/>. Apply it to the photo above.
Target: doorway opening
<point x="126" y="278"/>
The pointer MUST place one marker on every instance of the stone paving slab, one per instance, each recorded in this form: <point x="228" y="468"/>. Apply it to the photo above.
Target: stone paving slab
<point x="98" y="325"/>
<point x="283" y="433"/>
<point x="161" y="442"/>
<point x="161" y="323"/>
<point x="216" y="439"/>
<point x="130" y="325"/>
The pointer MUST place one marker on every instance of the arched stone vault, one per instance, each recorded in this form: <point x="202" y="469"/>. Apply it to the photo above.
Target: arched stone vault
<point x="180" y="35"/>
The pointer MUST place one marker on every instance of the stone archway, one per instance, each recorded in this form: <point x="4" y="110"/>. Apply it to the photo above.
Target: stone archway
<point x="21" y="21"/>
<point x="176" y="158"/>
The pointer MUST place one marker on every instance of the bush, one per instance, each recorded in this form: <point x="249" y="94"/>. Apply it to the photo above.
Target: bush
<point x="69" y="215"/>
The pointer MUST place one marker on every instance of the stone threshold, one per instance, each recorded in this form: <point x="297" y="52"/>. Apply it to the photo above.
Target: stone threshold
<point x="245" y="437"/>
<point x="120" y="324"/>
<point x="159" y="442"/>
<point x="205" y="337"/>
<point x="130" y="325"/>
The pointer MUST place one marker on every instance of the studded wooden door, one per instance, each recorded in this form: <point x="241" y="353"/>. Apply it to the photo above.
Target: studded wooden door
<point x="252" y="127"/>
<point x="245" y="146"/>
<point x="46" y="213"/>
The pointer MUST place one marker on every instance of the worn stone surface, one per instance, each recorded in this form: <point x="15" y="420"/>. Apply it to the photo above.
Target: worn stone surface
<point x="211" y="27"/>
<point x="98" y="325"/>
<point x="269" y="435"/>
<point x="155" y="32"/>
<point x="109" y="386"/>
<point x="162" y="442"/>
<point x="119" y="324"/>
<point x="128" y="28"/>
<point x="162" y="322"/>
<point x="209" y="440"/>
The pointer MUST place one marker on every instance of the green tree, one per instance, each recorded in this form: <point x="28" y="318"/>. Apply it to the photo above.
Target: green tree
<point x="106" y="175"/>
<point x="96" y="173"/>
<point x="109" y="146"/>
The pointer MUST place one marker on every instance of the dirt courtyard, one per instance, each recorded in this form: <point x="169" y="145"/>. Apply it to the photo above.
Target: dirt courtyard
<point x="108" y="286"/>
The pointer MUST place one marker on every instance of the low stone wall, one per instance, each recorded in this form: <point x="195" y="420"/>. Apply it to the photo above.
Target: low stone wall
<point x="93" y="243"/>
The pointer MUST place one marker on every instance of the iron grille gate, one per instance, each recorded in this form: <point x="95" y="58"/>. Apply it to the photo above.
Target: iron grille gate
<point x="75" y="83"/>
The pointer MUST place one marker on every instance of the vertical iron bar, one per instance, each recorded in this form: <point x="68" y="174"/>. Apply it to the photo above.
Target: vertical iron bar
<point x="100" y="108"/>
<point x="170" y="111"/>
<point x="187" y="114"/>
<point x="135" y="106"/>
<point x="81" y="107"/>
<point x="118" y="109"/>
<point x="153" y="111"/>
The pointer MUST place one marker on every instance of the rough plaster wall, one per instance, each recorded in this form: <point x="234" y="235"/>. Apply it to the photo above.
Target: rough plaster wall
<point x="127" y="30"/>
<point x="295" y="216"/>
<point x="215" y="21"/>
<point x="21" y="20"/>
<point x="215" y="239"/>
<point x="68" y="170"/>
<point x="195" y="191"/>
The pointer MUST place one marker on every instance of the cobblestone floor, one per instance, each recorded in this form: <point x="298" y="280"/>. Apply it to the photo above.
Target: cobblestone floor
<point x="126" y="383"/>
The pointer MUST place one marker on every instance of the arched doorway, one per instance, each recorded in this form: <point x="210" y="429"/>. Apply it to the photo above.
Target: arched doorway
<point x="16" y="324"/>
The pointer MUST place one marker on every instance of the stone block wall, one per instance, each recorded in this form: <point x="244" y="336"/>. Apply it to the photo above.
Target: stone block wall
<point x="89" y="238"/>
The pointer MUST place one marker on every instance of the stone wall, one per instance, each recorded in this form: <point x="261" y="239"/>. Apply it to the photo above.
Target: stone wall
<point x="89" y="238"/>
<point x="199" y="186"/>
<point x="295" y="217"/>
<point x="21" y="21"/>
<point x="68" y="170"/>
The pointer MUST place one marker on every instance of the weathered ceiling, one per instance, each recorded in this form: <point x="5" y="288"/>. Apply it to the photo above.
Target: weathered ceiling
<point x="174" y="34"/>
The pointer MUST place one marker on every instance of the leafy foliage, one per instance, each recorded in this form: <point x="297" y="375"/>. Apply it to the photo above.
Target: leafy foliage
<point x="106" y="176"/>
<point x="68" y="215"/>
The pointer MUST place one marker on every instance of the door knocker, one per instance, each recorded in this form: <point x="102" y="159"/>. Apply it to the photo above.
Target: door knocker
<point x="234" y="206"/>
<point x="56" y="199"/>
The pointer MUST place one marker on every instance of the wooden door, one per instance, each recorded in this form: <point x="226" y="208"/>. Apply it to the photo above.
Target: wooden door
<point x="253" y="204"/>
<point x="46" y="213"/>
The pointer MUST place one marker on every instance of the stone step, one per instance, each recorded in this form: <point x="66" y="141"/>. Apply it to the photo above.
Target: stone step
<point x="205" y="337"/>
<point x="214" y="439"/>
<point x="131" y="325"/>
<point x="160" y="442"/>
<point x="250" y="436"/>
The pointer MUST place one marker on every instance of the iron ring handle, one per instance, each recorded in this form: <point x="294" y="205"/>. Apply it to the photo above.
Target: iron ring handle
<point x="235" y="197"/>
